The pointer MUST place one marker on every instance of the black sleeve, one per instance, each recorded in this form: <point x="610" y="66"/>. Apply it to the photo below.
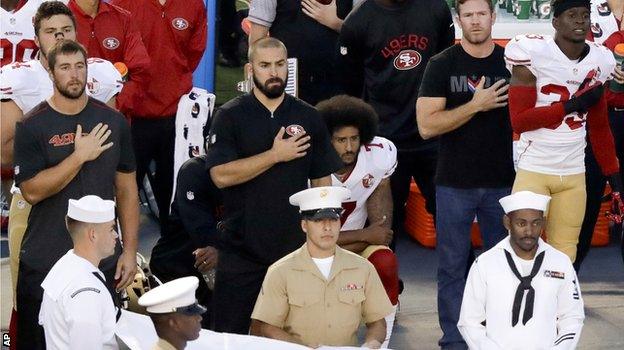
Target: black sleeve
<point x="446" y="29"/>
<point x="350" y="59"/>
<point x="436" y="77"/>
<point x="325" y="160"/>
<point x="195" y="200"/>
<point x="127" y="162"/>
<point x="222" y="139"/>
<point x="29" y="157"/>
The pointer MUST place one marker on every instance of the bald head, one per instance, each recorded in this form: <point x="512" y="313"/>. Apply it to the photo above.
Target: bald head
<point x="265" y="43"/>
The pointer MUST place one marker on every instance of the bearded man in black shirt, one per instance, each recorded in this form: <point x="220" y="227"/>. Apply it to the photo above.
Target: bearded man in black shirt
<point x="264" y="147"/>
<point x="463" y="100"/>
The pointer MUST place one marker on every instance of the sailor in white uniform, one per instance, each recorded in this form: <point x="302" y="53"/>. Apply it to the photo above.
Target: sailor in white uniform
<point x="77" y="311"/>
<point x="522" y="293"/>
<point x="175" y="312"/>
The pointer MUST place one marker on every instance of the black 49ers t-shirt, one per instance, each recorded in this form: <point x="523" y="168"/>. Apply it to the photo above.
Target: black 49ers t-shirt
<point x="43" y="140"/>
<point x="384" y="52"/>
<point x="478" y="154"/>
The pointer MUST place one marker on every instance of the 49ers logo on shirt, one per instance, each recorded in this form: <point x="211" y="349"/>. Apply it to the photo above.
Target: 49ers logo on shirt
<point x="407" y="59"/>
<point x="110" y="43"/>
<point x="368" y="180"/>
<point x="294" y="130"/>
<point x="62" y="140"/>
<point x="179" y="23"/>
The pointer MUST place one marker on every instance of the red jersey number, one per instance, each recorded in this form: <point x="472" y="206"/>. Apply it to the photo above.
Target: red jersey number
<point x="26" y="50"/>
<point x="348" y="207"/>
<point x="574" y="120"/>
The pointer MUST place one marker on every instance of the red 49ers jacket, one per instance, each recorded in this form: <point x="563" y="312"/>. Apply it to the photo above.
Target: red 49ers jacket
<point x="175" y="37"/>
<point x="113" y="36"/>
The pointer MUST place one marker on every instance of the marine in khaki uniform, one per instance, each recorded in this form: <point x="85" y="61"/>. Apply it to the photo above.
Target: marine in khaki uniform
<point x="175" y="312"/>
<point x="321" y="293"/>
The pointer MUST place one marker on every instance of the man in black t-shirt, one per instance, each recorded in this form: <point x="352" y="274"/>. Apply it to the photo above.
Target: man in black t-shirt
<point x="385" y="46"/>
<point x="54" y="162"/>
<point x="264" y="146"/>
<point x="189" y="245"/>
<point x="463" y="100"/>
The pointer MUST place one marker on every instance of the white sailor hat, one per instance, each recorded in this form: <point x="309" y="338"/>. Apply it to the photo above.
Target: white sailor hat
<point x="524" y="200"/>
<point x="174" y="296"/>
<point x="320" y="202"/>
<point x="91" y="209"/>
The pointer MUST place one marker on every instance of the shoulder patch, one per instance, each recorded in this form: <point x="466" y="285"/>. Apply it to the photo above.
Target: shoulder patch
<point x="86" y="289"/>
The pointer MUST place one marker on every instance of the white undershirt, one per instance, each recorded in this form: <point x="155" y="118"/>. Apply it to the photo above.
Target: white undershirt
<point x="526" y="266"/>
<point x="324" y="265"/>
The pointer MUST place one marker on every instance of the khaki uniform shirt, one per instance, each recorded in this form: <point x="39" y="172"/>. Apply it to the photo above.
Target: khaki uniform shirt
<point x="163" y="345"/>
<point x="297" y="298"/>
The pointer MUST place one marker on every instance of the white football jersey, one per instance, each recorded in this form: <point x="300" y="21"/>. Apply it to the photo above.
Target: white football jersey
<point x="17" y="35"/>
<point x="375" y="162"/>
<point x="28" y="83"/>
<point x="558" y="149"/>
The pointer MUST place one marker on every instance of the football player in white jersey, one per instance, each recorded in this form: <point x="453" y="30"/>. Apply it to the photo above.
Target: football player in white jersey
<point x="369" y="161"/>
<point x="26" y="84"/>
<point x="557" y="86"/>
<point x="17" y="37"/>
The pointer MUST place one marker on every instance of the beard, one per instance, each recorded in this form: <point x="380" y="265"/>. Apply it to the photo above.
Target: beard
<point x="271" y="92"/>
<point x="476" y="39"/>
<point x="350" y="162"/>
<point x="66" y="92"/>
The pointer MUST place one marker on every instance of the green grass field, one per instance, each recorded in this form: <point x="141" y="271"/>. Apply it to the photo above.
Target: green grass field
<point x="225" y="83"/>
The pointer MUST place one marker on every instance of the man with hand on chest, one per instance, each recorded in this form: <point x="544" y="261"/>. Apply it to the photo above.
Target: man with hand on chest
<point x="54" y="162"/>
<point x="463" y="100"/>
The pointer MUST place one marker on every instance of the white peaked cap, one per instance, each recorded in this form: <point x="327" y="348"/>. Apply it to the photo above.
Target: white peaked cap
<point x="320" y="198"/>
<point x="91" y="209"/>
<point x="174" y="296"/>
<point x="524" y="200"/>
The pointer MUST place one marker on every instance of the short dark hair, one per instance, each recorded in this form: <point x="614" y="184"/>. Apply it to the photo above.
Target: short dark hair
<point x="49" y="9"/>
<point x="461" y="2"/>
<point x="64" y="47"/>
<point x="74" y="226"/>
<point x="343" y="110"/>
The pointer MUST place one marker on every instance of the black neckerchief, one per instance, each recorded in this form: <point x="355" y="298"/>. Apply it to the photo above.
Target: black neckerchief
<point x="117" y="310"/>
<point x="525" y="284"/>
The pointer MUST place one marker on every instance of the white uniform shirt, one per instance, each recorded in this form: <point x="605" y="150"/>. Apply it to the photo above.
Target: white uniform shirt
<point x="558" y="149"/>
<point x="489" y="295"/>
<point x="77" y="311"/>
<point x="375" y="162"/>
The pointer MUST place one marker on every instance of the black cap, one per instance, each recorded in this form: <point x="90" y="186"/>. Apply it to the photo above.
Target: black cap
<point x="191" y="310"/>
<point x="324" y="213"/>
